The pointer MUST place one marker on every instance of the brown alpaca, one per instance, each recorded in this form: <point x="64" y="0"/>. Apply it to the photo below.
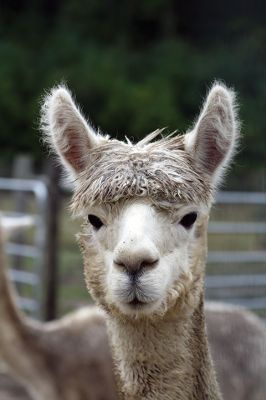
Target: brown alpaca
<point x="146" y="209"/>
<point x="238" y="347"/>
<point x="68" y="359"/>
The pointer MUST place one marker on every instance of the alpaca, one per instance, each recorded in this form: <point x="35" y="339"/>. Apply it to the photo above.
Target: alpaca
<point x="69" y="359"/>
<point x="235" y="336"/>
<point x="145" y="210"/>
<point x="238" y="347"/>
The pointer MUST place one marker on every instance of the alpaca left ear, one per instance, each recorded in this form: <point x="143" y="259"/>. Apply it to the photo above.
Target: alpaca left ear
<point x="66" y="130"/>
<point x="213" y="140"/>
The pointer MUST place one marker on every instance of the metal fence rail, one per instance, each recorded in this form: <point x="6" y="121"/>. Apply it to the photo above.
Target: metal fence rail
<point x="228" y="287"/>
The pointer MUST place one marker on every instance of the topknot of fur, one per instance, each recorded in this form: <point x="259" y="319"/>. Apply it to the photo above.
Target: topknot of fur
<point x="119" y="171"/>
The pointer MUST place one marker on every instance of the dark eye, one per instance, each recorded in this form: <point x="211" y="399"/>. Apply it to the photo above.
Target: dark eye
<point x="188" y="220"/>
<point x="95" y="221"/>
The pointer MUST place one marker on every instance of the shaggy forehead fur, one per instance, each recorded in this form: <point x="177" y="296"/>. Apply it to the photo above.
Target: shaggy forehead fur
<point x="161" y="171"/>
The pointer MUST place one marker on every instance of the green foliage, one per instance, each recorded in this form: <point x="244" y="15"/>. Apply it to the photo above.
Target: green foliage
<point x="134" y="66"/>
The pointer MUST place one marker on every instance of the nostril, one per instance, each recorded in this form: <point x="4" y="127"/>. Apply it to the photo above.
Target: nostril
<point x="149" y="263"/>
<point x="120" y="264"/>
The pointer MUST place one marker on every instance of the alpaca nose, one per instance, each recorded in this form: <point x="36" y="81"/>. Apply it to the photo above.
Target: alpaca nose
<point x="135" y="259"/>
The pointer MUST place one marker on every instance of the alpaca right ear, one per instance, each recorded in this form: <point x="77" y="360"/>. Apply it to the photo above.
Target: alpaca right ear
<point x="214" y="138"/>
<point x="66" y="130"/>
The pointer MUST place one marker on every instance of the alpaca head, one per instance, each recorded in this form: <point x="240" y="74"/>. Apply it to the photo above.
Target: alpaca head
<point x="145" y="206"/>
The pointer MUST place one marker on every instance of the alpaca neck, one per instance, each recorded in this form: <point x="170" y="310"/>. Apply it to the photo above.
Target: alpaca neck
<point x="166" y="360"/>
<point x="8" y="309"/>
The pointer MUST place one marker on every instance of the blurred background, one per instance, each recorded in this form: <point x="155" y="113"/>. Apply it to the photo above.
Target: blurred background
<point x="133" y="67"/>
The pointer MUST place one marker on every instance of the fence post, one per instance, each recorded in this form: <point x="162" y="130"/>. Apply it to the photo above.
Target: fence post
<point x="52" y="243"/>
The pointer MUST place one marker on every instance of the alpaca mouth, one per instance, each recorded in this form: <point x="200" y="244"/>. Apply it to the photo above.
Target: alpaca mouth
<point x="136" y="302"/>
<point x="135" y="297"/>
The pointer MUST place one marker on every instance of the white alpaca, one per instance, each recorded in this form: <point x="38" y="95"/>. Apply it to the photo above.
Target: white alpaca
<point x="144" y="243"/>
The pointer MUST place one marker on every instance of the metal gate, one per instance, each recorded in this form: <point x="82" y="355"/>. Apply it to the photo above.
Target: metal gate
<point x="36" y="249"/>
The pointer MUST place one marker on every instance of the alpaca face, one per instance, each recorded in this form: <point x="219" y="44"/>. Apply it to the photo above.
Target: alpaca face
<point x="145" y="205"/>
<point x="141" y="251"/>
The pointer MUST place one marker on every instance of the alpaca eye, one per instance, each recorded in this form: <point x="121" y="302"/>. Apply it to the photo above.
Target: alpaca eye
<point x="95" y="221"/>
<point x="188" y="220"/>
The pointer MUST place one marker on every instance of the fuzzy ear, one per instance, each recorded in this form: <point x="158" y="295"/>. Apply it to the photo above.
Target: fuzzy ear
<point x="66" y="130"/>
<point x="213" y="140"/>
